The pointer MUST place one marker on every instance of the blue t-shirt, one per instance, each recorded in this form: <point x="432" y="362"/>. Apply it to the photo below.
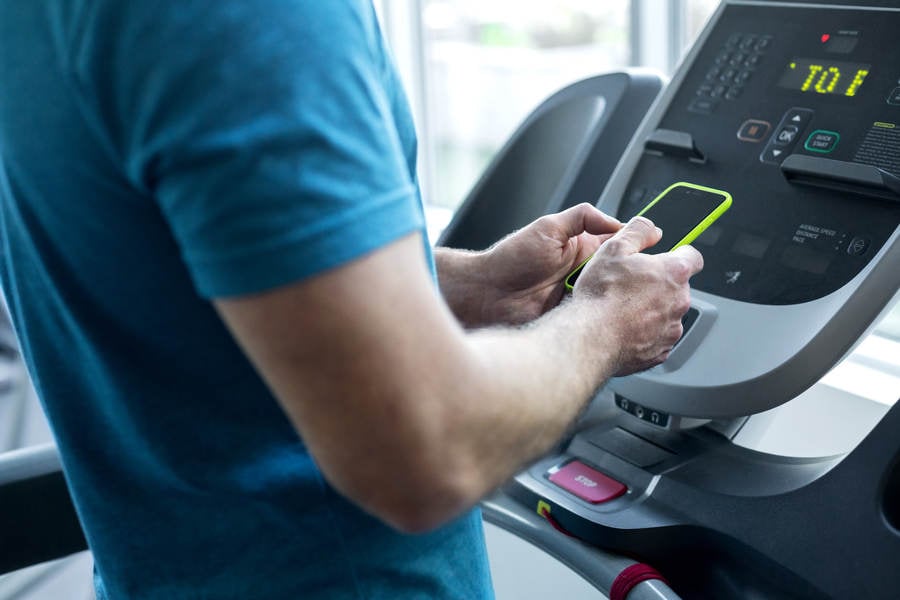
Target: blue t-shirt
<point x="155" y="154"/>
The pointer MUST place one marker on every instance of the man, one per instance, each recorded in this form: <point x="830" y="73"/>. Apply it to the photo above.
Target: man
<point x="215" y="259"/>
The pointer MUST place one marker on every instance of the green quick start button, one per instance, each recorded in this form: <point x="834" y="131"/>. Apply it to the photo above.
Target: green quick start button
<point x="822" y="140"/>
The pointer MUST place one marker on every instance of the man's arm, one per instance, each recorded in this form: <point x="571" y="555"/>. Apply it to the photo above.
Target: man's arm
<point x="415" y="419"/>
<point x="521" y="277"/>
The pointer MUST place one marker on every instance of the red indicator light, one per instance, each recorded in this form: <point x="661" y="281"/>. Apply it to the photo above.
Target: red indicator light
<point x="826" y="37"/>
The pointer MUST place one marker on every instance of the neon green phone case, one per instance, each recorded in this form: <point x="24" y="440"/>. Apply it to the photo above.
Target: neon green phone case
<point x="692" y="235"/>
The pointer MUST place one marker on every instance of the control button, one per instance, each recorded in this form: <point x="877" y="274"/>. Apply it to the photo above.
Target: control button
<point x="894" y="97"/>
<point x="752" y="61"/>
<point x="703" y="106"/>
<point x="733" y="93"/>
<point x="742" y="77"/>
<point x="587" y="483"/>
<point x="718" y="91"/>
<point x="727" y="75"/>
<point x="723" y="57"/>
<point x="763" y="43"/>
<point x="858" y="246"/>
<point x="734" y="39"/>
<point x="798" y="116"/>
<point x="748" y="42"/>
<point x="773" y="155"/>
<point x="822" y="141"/>
<point x="713" y="74"/>
<point x="786" y="135"/>
<point x="737" y="59"/>
<point x="753" y="130"/>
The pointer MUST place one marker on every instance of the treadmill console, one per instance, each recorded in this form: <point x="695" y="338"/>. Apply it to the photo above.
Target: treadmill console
<point x="795" y="110"/>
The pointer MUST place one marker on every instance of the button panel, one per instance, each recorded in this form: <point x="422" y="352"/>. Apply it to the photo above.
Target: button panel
<point x="787" y="133"/>
<point x="587" y="483"/>
<point x="732" y="69"/>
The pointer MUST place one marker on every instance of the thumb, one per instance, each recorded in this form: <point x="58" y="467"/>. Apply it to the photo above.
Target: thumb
<point x="583" y="218"/>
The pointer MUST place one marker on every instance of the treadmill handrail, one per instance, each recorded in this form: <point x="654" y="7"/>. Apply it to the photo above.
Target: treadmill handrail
<point x="32" y="461"/>
<point x="841" y="175"/>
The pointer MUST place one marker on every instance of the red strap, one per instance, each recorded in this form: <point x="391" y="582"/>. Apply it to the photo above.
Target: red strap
<point x="546" y="514"/>
<point x="629" y="578"/>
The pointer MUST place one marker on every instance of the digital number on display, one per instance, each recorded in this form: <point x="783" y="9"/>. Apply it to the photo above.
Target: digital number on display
<point x="824" y="77"/>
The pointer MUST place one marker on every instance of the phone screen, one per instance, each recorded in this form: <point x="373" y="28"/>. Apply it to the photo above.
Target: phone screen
<point x="679" y="211"/>
<point x="683" y="212"/>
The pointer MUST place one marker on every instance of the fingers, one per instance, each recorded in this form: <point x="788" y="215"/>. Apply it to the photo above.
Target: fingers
<point x="639" y="234"/>
<point x="585" y="218"/>
<point x="588" y="244"/>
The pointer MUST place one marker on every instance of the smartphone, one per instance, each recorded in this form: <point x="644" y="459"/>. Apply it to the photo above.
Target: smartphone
<point x="683" y="211"/>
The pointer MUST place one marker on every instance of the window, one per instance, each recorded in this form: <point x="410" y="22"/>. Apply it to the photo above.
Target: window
<point x="474" y="69"/>
<point x="488" y="64"/>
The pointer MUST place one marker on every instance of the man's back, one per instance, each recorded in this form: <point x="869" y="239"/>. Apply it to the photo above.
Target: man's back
<point x="152" y="157"/>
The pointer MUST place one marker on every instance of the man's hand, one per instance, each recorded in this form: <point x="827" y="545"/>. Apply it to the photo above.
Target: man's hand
<point x="521" y="277"/>
<point x="644" y="296"/>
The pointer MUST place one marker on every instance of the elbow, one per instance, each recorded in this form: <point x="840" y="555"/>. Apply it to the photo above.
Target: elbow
<point x="413" y="500"/>
<point x="419" y="512"/>
<point x="414" y="522"/>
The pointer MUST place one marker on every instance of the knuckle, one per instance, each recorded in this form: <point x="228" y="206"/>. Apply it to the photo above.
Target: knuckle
<point x="691" y="258"/>
<point x="545" y="220"/>
<point x="695" y="259"/>
<point x="642" y="224"/>
<point x="614" y="245"/>
<point x="680" y="269"/>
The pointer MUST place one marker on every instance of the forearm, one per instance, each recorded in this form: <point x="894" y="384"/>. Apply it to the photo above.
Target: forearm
<point x="495" y="400"/>
<point x="535" y="382"/>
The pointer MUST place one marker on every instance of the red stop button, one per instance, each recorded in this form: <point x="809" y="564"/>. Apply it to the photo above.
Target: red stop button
<point x="587" y="483"/>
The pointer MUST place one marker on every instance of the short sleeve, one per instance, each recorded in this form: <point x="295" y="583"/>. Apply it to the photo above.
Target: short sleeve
<point x="266" y="131"/>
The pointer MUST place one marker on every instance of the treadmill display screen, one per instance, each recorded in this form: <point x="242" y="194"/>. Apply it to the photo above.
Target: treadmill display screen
<point x="824" y="76"/>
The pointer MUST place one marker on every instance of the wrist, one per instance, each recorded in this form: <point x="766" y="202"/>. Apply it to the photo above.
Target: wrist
<point x="463" y="284"/>
<point x="596" y="337"/>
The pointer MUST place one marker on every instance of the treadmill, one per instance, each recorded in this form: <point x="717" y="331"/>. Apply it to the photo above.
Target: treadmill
<point x="793" y="108"/>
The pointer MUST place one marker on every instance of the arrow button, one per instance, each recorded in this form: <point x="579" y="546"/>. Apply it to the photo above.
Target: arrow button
<point x="772" y="156"/>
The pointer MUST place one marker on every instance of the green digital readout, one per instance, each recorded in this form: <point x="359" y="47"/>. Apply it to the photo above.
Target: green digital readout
<point x="824" y="76"/>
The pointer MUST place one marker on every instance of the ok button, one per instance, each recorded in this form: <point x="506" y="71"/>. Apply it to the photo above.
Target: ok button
<point x="786" y="136"/>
